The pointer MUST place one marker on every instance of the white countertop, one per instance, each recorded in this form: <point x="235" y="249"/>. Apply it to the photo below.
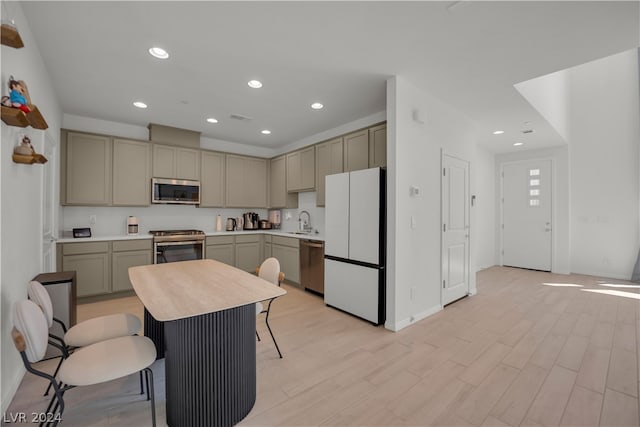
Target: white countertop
<point x="310" y="236"/>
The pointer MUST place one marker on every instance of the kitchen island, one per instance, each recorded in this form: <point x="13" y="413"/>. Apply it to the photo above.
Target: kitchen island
<point x="207" y="310"/>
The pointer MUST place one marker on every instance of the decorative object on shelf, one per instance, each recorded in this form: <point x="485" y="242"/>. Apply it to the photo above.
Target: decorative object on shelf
<point x="17" y="109"/>
<point x="10" y="35"/>
<point x="24" y="153"/>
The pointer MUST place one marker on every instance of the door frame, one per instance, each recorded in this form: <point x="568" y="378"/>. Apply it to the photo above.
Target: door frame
<point x="444" y="153"/>
<point x="552" y="201"/>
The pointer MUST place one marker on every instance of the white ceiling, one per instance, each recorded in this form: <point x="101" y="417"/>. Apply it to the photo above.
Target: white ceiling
<point x="468" y="54"/>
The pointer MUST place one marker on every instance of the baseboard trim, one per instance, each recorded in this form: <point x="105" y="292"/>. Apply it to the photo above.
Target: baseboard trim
<point x="12" y="388"/>
<point x="395" y="327"/>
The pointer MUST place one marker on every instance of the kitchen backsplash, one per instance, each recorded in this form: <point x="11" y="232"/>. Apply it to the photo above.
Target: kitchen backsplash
<point x="306" y="202"/>
<point x="111" y="221"/>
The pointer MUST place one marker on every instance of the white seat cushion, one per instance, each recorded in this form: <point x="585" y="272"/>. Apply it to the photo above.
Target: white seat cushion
<point x="107" y="360"/>
<point x="102" y="328"/>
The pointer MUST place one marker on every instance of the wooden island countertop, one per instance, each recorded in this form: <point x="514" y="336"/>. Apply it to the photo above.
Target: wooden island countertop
<point x="179" y="290"/>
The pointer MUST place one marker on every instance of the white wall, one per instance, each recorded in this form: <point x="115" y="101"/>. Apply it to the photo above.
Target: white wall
<point x="414" y="158"/>
<point x="605" y="135"/>
<point x="550" y="96"/>
<point x="559" y="156"/>
<point x="22" y="190"/>
<point x="486" y="242"/>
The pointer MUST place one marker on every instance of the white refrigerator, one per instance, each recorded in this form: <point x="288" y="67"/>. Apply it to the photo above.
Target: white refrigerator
<point x="355" y="244"/>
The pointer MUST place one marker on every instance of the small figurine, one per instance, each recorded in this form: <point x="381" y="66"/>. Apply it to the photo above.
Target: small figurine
<point x="25" y="148"/>
<point x="18" y="95"/>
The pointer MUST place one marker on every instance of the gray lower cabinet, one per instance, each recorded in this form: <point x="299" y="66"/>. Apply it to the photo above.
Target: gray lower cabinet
<point x="127" y="254"/>
<point x="287" y="251"/>
<point x="220" y="248"/>
<point x="248" y="252"/>
<point x="102" y="267"/>
<point x="267" y="247"/>
<point x="92" y="264"/>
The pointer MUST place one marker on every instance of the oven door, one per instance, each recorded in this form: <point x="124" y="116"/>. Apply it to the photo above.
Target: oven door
<point x="178" y="251"/>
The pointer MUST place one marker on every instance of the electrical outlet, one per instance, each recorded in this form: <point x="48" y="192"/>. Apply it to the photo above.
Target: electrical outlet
<point x="412" y="293"/>
<point x="92" y="219"/>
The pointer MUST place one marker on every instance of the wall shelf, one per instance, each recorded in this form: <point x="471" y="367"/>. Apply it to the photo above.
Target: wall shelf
<point x="11" y="37"/>
<point x="29" y="159"/>
<point x="17" y="117"/>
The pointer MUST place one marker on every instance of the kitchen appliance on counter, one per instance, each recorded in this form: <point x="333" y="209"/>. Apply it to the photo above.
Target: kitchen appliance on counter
<point x="175" y="191"/>
<point x="312" y="265"/>
<point x="274" y="219"/>
<point x="177" y="245"/>
<point x="132" y="226"/>
<point x="231" y="224"/>
<point x="355" y="243"/>
<point x="251" y="221"/>
<point x="264" y="225"/>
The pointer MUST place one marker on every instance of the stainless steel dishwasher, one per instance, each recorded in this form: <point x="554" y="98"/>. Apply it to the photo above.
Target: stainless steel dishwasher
<point x="312" y="265"/>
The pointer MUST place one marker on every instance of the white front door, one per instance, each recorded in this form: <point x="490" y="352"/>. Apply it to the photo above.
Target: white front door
<point x="455" y="229"/>
<point x="526" y="214"/>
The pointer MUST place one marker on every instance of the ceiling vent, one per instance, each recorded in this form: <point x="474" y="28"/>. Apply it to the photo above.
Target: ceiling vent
<point x="240" y="117"/>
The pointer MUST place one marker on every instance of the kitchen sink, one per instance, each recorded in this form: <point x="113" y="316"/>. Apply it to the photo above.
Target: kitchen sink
<point x="299" y="232"/>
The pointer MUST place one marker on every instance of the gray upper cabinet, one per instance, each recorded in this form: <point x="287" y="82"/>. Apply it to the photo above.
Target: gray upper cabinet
<point x="245" y="182"/>
<point x="278" y="195"/>
<point x="131" y="173"/>
<point x="211" y="179"/>
<point x="301" y="170"/>
<point x="328" y="162"/>
<point x="175" y="162"/>
<point x="356" y="151"/>
<point x="378" y="146"/>
<point x="86" y="169"/>
<point x="187" y="163"/>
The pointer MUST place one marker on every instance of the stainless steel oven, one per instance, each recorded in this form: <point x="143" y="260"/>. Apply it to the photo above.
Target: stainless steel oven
<point x="177" y="245"/>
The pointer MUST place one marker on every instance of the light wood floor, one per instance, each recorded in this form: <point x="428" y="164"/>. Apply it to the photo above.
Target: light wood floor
<point x="530" y="349"/>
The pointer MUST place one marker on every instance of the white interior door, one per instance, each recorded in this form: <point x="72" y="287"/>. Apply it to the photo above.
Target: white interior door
<point x="455" y="229"/>
<point x="526" y="214"/>
<point x="48" y="206"/>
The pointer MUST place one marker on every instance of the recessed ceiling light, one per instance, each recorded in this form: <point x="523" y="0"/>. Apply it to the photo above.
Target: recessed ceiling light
<point x="140" y="104"/>
<point x="317" y="106"/>
<point x="498" y="132"/>
<point x="212" y="120"/>
<point x="256" y="84"/>
<point x="517" y="144"/>
<point x="265" y="132"/>
<point x="158" y="52"/>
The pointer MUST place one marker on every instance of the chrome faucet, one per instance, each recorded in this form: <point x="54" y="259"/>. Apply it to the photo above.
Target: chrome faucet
<point x="304" y="225"/>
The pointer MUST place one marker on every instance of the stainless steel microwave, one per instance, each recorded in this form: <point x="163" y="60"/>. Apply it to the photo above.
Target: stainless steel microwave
<point x="175" y="191"/>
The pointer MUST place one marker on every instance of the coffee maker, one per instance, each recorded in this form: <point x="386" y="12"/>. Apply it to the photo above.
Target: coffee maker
<point x="251" y="221"/>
